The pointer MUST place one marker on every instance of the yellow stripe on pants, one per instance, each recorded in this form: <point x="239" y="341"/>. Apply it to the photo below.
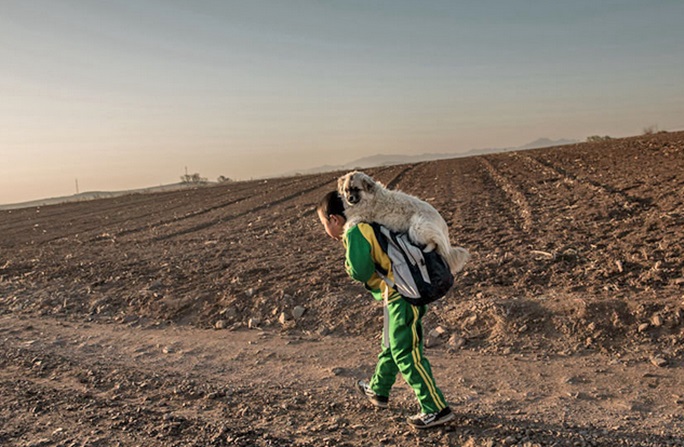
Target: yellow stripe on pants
<point x="415" y="352"/>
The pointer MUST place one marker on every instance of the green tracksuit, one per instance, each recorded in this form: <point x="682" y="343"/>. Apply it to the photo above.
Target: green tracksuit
<point x="402" y="347"/>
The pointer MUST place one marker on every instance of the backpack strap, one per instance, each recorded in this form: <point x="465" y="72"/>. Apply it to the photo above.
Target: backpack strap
<point x="382" y="240"/>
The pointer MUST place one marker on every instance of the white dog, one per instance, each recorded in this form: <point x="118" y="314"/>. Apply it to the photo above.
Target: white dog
<point x="367" y="200"/>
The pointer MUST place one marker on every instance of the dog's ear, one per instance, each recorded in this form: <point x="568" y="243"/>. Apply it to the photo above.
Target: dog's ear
<point x="367" y="182"/>
<point x="340" y="184"/>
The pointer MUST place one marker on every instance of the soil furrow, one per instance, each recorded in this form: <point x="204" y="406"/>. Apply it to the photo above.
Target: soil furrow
<point x="256" y="209"/>
<point x="522" y="206"/>
<point x="594" y="184"/>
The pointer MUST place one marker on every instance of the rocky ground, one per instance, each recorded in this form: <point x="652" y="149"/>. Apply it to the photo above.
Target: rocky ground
<point x="223" y="316"/>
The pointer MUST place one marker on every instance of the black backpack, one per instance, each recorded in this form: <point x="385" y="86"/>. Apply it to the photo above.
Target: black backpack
<point x="419" y="277"/>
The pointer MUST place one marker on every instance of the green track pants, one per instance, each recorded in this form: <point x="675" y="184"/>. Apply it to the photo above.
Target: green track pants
<point x="402" y="351"/>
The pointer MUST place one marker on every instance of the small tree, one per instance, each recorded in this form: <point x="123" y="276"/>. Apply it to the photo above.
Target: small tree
<point x="223" y="179"/>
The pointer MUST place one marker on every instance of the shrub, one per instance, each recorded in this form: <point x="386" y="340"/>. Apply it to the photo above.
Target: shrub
<point x="598" y="138"/>
<point x="650" y="130"/>
<point x="193" y="179"/>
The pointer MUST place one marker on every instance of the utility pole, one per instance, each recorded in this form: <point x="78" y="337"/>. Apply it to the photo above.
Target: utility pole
<point x="76" y="186"/>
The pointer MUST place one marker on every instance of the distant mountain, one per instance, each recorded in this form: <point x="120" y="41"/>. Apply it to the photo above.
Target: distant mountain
<point x="397" y="159"/>
<point x="361" y="163"/>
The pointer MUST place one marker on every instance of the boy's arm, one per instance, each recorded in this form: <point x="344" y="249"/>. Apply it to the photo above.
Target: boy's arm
<point x="359" y="260"/>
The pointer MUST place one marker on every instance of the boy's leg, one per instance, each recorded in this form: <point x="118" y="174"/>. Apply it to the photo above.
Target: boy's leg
<point x="385" y="373"/>
<point x="406" y="345"/>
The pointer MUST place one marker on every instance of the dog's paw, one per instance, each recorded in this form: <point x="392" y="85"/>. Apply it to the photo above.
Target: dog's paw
<point x="429" y="247"/>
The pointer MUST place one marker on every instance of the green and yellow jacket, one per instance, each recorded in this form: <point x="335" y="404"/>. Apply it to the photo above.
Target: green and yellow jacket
<point x="363" y="253"/>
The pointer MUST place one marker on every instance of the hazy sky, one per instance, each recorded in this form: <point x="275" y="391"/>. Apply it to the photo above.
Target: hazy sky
<point x="125" y="93"/>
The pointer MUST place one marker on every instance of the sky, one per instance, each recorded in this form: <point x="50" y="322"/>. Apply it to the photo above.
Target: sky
<point x="125" y="94"/>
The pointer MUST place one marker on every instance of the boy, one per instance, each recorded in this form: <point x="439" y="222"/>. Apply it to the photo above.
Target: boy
<point x="402" y="347"/>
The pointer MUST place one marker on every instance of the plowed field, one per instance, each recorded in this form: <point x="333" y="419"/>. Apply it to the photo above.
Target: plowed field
<point x="127" y="321"/>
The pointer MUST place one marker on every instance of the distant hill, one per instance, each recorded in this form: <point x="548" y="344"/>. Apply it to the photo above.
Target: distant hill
<point x="545" y="142"/>
<point x="397" y="159"/>
<point x="93" y="195"/>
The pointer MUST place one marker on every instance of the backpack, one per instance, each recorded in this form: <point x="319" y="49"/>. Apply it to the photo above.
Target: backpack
<point x="419" y="277"/>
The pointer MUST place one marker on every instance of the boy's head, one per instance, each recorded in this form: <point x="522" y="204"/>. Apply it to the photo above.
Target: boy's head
<point x="331" y="214"/>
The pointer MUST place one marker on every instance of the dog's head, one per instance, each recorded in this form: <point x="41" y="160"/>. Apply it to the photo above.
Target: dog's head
<point x="354" y="185"/>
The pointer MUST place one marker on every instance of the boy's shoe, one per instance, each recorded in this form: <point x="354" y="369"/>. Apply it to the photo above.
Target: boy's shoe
<point x="422" y="420"/>
<point x="372" y="396"/>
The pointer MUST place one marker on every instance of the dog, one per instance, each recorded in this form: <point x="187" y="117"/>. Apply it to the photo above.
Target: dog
<point x="367" y="200"/>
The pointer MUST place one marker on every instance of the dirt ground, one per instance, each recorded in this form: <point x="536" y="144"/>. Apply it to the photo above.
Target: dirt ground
<point x="169" y="319"/>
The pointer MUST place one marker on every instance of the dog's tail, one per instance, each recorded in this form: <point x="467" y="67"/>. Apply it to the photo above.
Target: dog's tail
<point x="456" y="257"/>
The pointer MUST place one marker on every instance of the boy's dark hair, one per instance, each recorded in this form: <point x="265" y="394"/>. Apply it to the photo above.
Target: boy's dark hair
<point x="331" y="204"/>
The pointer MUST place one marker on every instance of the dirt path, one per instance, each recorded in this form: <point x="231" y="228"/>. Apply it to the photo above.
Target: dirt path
<point x="85" y="384"/>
